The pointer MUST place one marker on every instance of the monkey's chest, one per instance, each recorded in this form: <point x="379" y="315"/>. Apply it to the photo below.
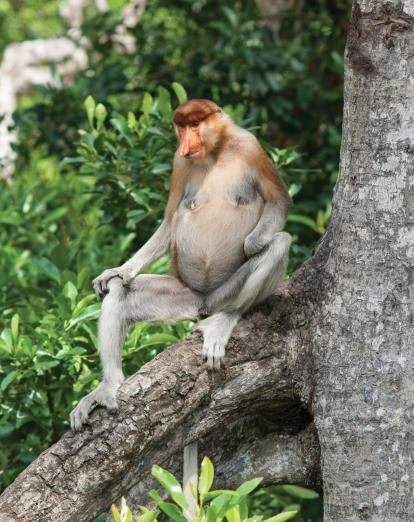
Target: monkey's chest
<point x="209" y="236"/>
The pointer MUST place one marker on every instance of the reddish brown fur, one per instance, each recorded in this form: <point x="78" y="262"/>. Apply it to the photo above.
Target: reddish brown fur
<point x="271" y="184"/>
<point x="194" y="111"/>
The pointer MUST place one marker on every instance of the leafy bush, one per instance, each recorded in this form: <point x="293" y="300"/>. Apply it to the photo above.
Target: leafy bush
<point x="211" y="506"/>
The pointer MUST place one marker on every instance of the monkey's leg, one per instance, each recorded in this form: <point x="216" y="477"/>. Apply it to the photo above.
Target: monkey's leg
<point x="147" y="298"/>
<point x="255" y="280"/>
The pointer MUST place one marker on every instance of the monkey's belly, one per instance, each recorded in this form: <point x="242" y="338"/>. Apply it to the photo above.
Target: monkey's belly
<point x="209" y="243"/>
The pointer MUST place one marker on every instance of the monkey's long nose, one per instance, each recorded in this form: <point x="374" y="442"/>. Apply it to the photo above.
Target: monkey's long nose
<point x="185" y="145"/>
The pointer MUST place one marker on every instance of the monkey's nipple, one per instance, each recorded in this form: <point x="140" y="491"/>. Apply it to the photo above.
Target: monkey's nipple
<point x="193" y="204"/>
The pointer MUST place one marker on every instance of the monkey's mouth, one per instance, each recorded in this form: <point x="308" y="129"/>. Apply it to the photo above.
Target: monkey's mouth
<point x="193" y="154"/>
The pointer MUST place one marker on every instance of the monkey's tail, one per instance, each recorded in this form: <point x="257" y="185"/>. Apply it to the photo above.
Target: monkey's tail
<point x="190" y="476"/>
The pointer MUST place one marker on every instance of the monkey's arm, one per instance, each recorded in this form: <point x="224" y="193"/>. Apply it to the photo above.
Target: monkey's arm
<point x="271" y="221"/>
<point x="276" y="207"/>
<point x="153" y="249"/>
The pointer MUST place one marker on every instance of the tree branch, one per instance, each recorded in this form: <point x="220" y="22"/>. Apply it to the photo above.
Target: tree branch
<point x="170" y="402"/>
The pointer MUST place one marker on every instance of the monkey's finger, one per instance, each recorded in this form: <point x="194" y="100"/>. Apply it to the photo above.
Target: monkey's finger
<point x="96" y="285"/>
<point x="79" y="416"/>
<point x="109" y="402"/>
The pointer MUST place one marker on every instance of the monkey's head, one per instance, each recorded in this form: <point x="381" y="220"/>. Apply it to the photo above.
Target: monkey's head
<point x="199" y="125"/>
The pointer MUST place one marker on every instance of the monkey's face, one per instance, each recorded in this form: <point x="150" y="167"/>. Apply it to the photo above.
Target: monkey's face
<point x="194" y="122"/>
<point x="191" y="144"/>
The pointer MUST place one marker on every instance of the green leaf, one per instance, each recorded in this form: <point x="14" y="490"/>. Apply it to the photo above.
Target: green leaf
<point x="171" y="484"/>
<point x="248" y="487"/>
<point x="6" y="430"/>
<point x="8" y="379"/>
<point x="172" y="511"/>
<point x="294" y="188"/>
<point x="46" y="267"/>
<point x="70" y="291"/>
<point x="231" y="16"/>
<point x="90" y="105"/>
<point x="299" y="492"/>
<point x="160" y="338"/>
<point x="154" y="495"/>
<point x="15" y="327"/>
<point x="206" y="476"/>
<point x="6" y="336"/>
<point x="60" y="255"/>
<point x="233" y="515"/>
<point x="147" y="103"/>
<point x="91" y="312"/>
<point x="126" y="513"/>
<point x="149" y="516"/>
<point x="211" y="514"/>
<point x="121" y="125"/>
<point x="282" y="517"/>
<point x="164" y="103"/>
<point x="216" y="493"/>
<point x="132" y="121"/>
<point x="304" y="220"/>
<point x="220" y="504"/>
<point x="100" y="114"/>
<point x="115" y="513"/>
<point x="180" y="92"/>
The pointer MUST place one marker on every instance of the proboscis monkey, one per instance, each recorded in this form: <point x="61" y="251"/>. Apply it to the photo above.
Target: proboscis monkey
<point x="223" y="225"/>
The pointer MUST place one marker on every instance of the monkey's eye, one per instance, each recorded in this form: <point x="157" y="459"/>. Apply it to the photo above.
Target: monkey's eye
<point x="194" y="124"/>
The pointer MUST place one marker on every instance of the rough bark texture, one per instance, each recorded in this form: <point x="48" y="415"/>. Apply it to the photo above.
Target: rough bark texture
<point x="167" y="404"/>
<point x="364" y="327"/>
<point x="333" y="351"/>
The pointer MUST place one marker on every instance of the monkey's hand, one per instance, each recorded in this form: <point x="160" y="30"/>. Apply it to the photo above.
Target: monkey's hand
<point x="253" y="244"/>
<point x="103" y="395"/>
<point x="100" y="283"/>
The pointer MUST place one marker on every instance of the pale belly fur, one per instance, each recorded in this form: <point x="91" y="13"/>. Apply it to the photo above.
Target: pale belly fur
<point x="210" y="239"/>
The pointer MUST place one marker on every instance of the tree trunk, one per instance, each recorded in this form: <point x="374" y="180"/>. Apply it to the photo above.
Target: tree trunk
<point x="363" y="326"/>
<point x="327" y="365"/>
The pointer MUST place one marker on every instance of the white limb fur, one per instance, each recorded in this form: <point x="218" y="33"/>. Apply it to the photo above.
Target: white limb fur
<point x="150" y="298"/>
<point x="154" y="248"/>
<point x="166" y="299"/>
<point x="216" y="331"/>
<point x="258" y="278"/>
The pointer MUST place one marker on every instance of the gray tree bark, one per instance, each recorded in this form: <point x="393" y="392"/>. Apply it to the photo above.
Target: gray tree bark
<point x="323" y="368"/>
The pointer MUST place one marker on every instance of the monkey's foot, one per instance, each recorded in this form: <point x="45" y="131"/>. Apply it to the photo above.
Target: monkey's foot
<point x="103" y="395"/>
<point x="216" y="331"/>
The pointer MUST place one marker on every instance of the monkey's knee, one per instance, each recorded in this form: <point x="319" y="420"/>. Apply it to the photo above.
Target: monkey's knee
<point x="282" y="240"/>
<point x="115" y="285"/>
<point x="279" y="247"/>
<point x="112" y="305"/>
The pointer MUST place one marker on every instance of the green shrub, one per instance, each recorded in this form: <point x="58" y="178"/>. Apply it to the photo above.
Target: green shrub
<point x="211" y="506"/>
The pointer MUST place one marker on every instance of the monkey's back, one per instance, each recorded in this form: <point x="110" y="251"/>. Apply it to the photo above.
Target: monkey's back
<point x="212" y="222"/>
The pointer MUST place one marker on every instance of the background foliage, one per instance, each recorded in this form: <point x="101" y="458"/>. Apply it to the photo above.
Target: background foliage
<point x="91" y="180"/>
